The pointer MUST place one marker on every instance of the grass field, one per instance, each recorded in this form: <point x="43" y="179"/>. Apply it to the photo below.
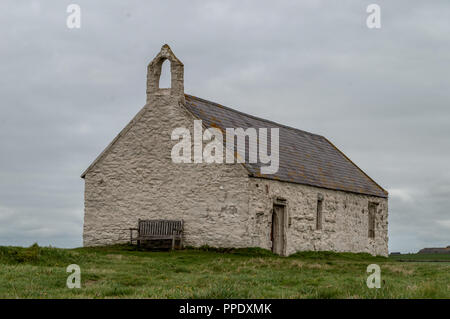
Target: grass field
<point x="123" y="272"/>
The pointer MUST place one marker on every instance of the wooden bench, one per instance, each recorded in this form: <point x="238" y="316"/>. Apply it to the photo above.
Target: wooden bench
<point x="158" y="229"/>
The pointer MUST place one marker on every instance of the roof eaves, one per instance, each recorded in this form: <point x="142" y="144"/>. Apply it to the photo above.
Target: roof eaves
<point x="314" y="185"/>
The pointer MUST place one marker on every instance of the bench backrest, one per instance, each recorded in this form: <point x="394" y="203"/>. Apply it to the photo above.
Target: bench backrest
<point x="159" y="227"/>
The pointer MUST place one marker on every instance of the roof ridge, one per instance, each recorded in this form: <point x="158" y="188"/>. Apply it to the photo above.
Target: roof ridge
<point x="253" y="116"/>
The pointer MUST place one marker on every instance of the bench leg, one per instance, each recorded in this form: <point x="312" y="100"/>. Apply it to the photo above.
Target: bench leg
<point x="173" y="241"/>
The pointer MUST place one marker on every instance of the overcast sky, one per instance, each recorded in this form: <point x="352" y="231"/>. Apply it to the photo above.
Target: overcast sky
<point x="381" y="95"/>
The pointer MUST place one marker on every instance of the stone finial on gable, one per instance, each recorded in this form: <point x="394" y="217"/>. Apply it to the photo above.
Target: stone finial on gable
<point x="154" y="73"/>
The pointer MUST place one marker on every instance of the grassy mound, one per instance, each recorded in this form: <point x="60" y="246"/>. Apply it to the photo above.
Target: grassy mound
<point x="122" y="271"/>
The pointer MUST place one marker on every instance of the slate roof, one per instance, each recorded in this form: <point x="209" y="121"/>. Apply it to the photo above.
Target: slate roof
<point x="305" y="158"/>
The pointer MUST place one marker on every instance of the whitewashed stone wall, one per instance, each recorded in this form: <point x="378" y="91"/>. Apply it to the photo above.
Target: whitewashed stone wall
<point x="137" y="179"/>
<point x="220" y="204"/>
<point x="344" y="223"/>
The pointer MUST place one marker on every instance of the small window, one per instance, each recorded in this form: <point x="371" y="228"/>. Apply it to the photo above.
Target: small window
<point x="371" y="216"/>
<point x="319" y="213"/>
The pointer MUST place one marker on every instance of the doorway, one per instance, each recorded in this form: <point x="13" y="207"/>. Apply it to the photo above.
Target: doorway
<point x="278" y="229"/>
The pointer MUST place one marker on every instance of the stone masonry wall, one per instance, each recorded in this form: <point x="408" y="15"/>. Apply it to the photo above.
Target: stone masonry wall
<point x="136" y="178"/>
<point x="344" y="218"/>
<point x="221" y="205"/>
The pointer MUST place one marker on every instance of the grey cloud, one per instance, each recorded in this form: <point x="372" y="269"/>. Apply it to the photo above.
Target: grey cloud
<point x="380" y="95"/>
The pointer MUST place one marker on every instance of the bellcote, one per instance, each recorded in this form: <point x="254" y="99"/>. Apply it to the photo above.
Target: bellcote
<point x="154" y="73"/>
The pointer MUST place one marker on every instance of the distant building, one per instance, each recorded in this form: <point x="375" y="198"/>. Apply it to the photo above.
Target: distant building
<point x="443" y="250"/>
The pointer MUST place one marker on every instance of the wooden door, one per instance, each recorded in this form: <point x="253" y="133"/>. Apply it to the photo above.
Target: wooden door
<point x="278" y="231"/>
